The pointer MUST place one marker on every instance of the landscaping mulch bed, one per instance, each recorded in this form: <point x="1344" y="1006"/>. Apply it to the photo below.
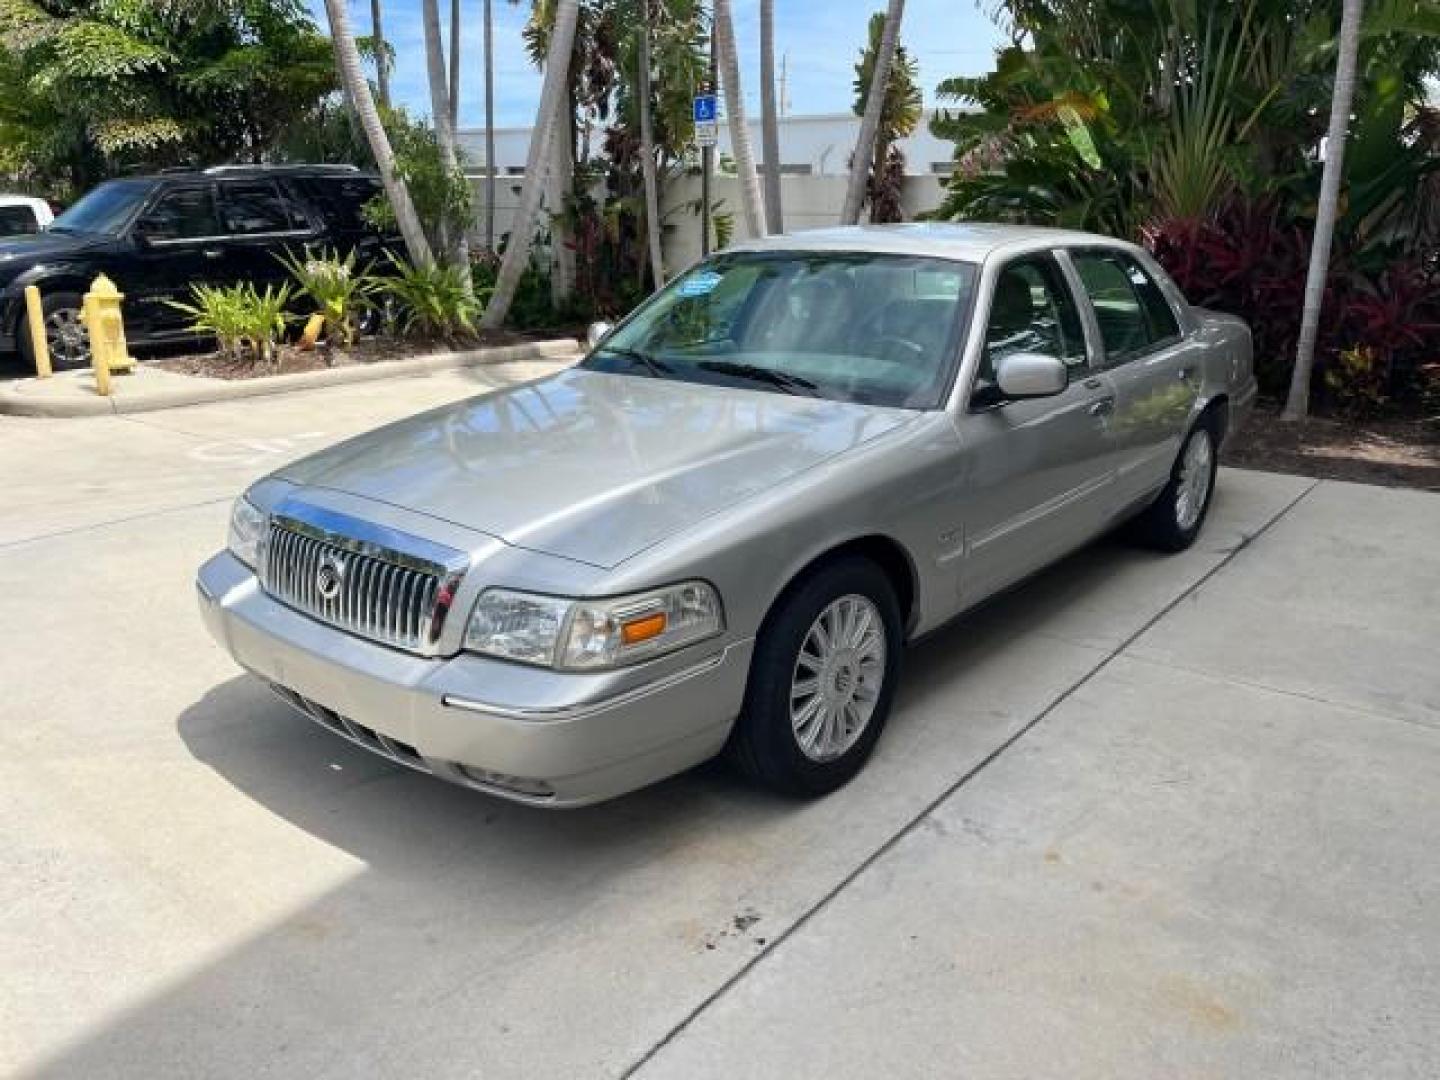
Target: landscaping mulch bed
<point x="1393" y="453"/>
<point x="216" y="365"/>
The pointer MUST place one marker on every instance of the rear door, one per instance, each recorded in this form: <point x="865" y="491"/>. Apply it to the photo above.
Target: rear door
<point x="1038" y="472"/>
<point x="1154" y="365"/>
<point x="261" y="224"/>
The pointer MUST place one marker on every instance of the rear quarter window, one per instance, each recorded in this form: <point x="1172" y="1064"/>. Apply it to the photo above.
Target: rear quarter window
<point x="340" y="199"/>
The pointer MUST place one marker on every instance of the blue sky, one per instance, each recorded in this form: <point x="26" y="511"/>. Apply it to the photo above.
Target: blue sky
<point x="821" y="37"/>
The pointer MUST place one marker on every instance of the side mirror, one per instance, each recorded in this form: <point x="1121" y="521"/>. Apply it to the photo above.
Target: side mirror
<point x="140" y="238"/>
<point x="597" y="333"/>
<point x="1031" y="375"/>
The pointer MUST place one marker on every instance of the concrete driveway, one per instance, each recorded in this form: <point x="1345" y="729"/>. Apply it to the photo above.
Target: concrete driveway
<point x="1144" y="817"/>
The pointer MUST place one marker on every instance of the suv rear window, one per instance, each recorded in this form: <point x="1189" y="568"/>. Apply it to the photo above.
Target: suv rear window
<point x="255" y="207"/>
<point x="16" y="220"/>
<point x="340" y="198"/>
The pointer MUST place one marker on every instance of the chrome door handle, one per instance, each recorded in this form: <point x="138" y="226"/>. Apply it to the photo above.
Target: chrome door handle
<point x="1102" y="407"/>
<point x="212" y="253"/>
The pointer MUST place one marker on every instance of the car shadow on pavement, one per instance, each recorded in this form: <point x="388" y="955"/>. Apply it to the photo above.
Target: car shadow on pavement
<point x="483" y="937"/>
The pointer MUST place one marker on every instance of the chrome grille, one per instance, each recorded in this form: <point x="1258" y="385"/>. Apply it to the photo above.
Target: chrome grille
<point x="379" y="591"/>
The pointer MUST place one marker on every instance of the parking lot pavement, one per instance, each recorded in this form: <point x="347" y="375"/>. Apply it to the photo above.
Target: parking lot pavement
<point x="1113" y="825"/>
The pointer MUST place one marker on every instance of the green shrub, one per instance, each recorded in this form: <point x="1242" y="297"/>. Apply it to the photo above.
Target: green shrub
<point x="239" y="316"/>
<point x="338" y="290"/>
<point x="431" y="301"/>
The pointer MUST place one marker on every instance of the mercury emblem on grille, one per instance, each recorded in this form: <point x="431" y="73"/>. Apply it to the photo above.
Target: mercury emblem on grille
<point x="330" y="578"/>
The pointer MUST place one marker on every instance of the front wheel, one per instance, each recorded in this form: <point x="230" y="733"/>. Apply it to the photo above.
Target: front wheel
<point x="65" y="333"/>
<point x="1175" y="518"/>
<point x="822" y="680"/>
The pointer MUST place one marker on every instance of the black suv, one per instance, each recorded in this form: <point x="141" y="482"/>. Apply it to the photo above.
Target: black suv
<point x="155" y="236"/>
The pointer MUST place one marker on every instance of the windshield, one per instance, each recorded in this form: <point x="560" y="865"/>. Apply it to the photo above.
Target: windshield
<point x="107" y="209"/>
<point x="868" y="328"/>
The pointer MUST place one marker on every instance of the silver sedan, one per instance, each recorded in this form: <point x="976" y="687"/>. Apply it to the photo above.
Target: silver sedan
<point x="721" y="529"/>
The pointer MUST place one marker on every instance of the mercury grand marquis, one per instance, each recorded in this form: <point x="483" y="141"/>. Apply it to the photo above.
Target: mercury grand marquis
<point x="720" y="530"/>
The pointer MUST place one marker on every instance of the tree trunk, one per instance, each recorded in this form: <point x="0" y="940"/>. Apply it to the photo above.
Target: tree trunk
<point x="382" y="55"/>
<point x="647" y="151"/>
<point x="554" y="92"/>
<point x="489" y="127"/>
<point x="874" y="110"/>
<point x="454" y="64"/>
<point x="1297" y="404"/>
<point x="770" y="119"/>
<point x="457" y="247"/>
<point x="357" y="90"/>
<point x="750" y="200"/>
<point x="558" y="189"/>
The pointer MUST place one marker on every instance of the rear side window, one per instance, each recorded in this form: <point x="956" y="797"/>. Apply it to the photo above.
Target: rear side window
<point x="182" y="214"/>
<point x="256" y="207"/>
<point x="1133" y="313"/>
<point x="340" y="198"/>
<point x="16" y="220"/>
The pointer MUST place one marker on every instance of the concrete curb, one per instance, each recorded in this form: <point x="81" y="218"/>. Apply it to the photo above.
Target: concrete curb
<point x="17" y="398"/>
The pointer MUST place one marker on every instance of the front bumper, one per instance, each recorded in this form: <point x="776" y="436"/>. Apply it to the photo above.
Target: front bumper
<point x="536" y="736"/>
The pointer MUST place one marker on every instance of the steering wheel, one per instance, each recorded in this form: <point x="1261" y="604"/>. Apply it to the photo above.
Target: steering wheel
<point x="888" y="345"/>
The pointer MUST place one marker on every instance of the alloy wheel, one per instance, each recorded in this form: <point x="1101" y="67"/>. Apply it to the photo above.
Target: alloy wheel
<point x="1197" y="470"/>
<point x="837" y="678"/>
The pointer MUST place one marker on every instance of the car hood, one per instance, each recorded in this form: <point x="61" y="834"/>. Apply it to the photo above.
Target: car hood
<point x="589" y="466"/>
<point x="20" y="253"/>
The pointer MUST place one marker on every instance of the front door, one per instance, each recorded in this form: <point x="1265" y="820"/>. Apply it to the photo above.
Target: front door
<point x="1155" y="368"/>
<point x="1037" y="472"/>
<point x="177" y="244"/>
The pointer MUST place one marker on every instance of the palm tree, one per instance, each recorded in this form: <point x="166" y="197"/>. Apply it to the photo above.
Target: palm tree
<point x="874" y="107"/>
<point x="750" y="199"/>
<point x="900" y="115"/>
<point x="553" y="95"/>
<point x="1297" y="404"/>
<point x="457" y="247"/>
<point x="357" y="89"/>
<point x="769" y="119"/>
<point x="647" y="150"/>
<point x="454" y="64"/>
<point x="382" y="54"/>
<point x="489" y="127"/>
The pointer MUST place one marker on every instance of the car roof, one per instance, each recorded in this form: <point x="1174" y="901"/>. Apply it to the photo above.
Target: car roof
<point x="250" y="172"/>
<point x="968" y="241"/>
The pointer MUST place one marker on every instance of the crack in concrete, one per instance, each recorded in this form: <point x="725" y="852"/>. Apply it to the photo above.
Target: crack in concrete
<point x="929" y="809"/>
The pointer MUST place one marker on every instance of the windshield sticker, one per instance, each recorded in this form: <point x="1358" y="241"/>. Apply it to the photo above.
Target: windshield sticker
<point x="701" y="284"/>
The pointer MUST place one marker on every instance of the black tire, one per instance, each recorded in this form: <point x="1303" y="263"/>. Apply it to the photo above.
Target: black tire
<point x="67" y="352"/>
<point x="765" y="744"/>
<point x="1165" y="525"/>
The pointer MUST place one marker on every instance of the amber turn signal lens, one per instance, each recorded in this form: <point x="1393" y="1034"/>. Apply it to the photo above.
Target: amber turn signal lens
<point x="651" y="626"/>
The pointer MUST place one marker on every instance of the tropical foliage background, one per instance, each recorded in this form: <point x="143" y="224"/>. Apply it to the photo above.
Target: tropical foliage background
<point x="1196" y="126"/>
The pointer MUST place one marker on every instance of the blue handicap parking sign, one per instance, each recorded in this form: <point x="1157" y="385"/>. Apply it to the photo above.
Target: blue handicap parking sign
<point x="705" y="109"/>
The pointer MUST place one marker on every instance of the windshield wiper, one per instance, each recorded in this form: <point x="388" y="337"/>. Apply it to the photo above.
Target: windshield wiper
<point x="781" y="380"/>
<point x="658" y="368"/>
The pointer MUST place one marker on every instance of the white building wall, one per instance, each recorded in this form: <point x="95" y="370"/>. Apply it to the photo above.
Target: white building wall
<point x="809" y="145"/>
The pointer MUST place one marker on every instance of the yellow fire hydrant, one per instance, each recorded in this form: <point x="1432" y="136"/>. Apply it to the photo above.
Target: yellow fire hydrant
<point x="102" y="317"/>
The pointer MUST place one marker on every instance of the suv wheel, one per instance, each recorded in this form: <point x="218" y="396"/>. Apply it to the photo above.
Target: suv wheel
<point x="66" y="335"/>
<point x="822" y="681"/>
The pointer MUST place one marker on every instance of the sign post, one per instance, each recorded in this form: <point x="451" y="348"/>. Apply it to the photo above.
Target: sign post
<point x="707" y="134"/>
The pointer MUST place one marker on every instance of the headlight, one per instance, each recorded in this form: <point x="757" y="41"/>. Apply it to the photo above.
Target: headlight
<point x="588" y="635"/>
<point x="247" y="528"/>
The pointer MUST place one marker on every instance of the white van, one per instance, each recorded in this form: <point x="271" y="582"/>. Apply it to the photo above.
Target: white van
<point x="21" y="214"/>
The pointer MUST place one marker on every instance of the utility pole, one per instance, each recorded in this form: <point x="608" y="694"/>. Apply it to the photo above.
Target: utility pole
<point x="707" y="160"/>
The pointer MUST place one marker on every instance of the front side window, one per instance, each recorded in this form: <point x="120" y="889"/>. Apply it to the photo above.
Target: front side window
<point x="185" y="214"/>
<point x="254" y="208"/>
<point x="1032" y="311"/>
<point x="861" y="327"/>
<point x="1132" y="311"/>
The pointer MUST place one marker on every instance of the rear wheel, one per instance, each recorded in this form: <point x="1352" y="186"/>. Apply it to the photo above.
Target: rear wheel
<point x="1174" y="520"/>
<point x="822" y="680"/>
<point x="66" y="335"/>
